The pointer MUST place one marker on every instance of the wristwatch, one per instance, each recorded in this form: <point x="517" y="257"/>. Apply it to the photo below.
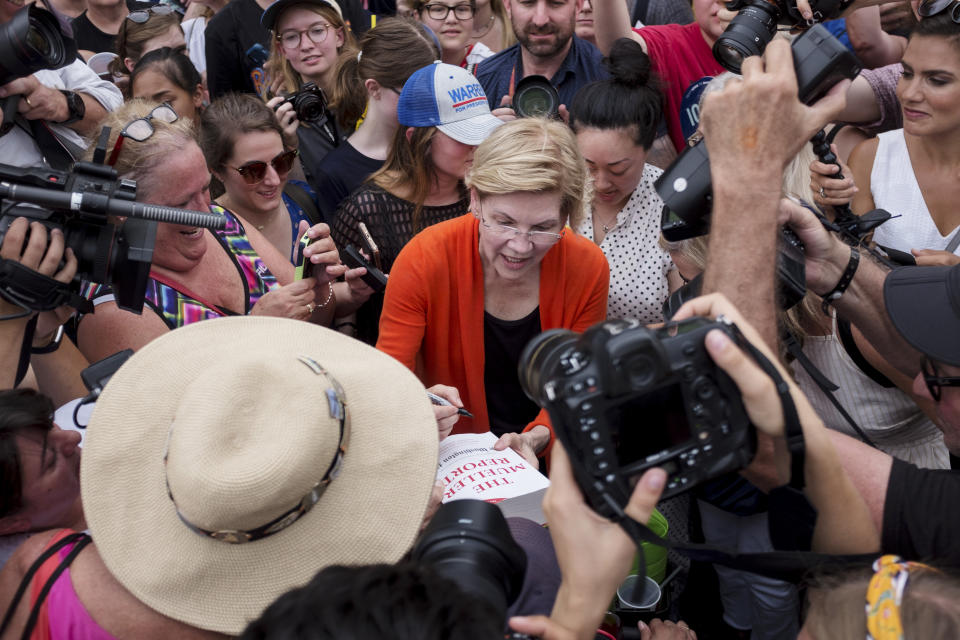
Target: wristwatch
<point x="75" y="106"/>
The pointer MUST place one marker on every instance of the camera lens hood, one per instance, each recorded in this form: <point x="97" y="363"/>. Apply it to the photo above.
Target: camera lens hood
<point x="748" y="34"/>
<point x="535" y="97"/>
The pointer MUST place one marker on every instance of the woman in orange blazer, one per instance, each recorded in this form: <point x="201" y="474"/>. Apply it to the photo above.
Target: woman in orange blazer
<point x="466" y="295"/>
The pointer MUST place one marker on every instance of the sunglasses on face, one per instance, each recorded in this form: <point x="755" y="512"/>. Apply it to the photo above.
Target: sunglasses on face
<point x="255" y="171"/>
<point x="930" y="8"/>
<point x="142" y="15"/>
<point x="934" y="381"/>
<point x="142" y="128"/>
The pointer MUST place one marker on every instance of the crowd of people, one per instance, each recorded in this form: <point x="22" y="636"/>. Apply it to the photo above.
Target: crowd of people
<point x="262" y="461"/>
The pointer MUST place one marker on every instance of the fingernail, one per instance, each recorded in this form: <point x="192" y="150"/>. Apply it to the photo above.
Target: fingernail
<point x="856" y="190"/>
<point x="656" y="479"/>
<point x="717" y="340"/>
<point x="641" y="626"/>
<point x="807" y="15"/>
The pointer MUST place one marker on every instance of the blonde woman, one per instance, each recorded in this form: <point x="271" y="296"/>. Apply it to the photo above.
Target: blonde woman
<point x="466" y="295"/>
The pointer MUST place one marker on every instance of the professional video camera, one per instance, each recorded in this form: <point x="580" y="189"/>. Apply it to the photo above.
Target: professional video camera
<point x="469" y="542"/>
<point x="85" y="203"/>
<point x="624" y="398"/>
<point x="820" y="62"/>
<point x="29" y="42"/>
<point x="754" y="27"/>
<point x="310" y="105"/>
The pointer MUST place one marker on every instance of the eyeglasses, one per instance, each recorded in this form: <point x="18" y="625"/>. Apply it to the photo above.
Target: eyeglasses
<point x="255" y="171"/>
<point x="291" y="39"/>
<point x="539" y="238"/>
<point x="934" y="380"/>
<point x="142" y="15"/>
<point x="441" y="11"/>
<point x="930" y="8"/>
<point x="141" y="128"/>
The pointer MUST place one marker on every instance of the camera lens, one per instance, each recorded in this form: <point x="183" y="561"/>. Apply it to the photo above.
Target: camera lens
<point x="536" y="97"/>
<point x="309" y="107"/>
<point x="748" y="35"/>
<point x="539" y="359"/>
<point x="31" y="41"/>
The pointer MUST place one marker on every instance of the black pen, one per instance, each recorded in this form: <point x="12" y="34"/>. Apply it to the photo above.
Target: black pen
<point x="443" y="402"/>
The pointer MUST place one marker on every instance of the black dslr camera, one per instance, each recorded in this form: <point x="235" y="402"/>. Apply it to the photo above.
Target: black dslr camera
<point x="309" y="103"/>
<point x="86" y="204"/>
<point x="754" y="27"/>
<point x="820" y="62"/>
<point x="624" y="398"/>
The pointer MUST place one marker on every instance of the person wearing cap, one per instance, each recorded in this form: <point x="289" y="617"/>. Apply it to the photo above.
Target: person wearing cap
<point x="308" y="36"/>
<point x="213" y="484"/>
<point x="443" y="116"/>
<point x="466" y="295"/>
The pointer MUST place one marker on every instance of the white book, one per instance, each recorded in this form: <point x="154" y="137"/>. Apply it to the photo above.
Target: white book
<point x="468" y="467"/>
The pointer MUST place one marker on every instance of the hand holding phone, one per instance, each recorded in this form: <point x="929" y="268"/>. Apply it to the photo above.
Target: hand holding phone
<point x="375" y="279"/>
<point x="372" y="249"/>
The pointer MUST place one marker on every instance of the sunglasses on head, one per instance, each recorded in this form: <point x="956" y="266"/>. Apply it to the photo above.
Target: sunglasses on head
<point x="930" y="8"/>
<point x="142" y="15"/>
<point x="255" y="171"/>
<point x="141" y="129"/>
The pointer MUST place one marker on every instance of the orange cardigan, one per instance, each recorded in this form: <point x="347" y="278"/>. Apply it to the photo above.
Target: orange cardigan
<point x="433" y="307"/>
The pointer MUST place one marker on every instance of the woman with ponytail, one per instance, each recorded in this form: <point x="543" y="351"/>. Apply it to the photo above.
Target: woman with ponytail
<point x="616" y="122"/>
<point x="365" y="100"/>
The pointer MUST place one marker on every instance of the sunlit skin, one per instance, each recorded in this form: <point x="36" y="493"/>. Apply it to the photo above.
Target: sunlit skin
<point x="929" y="90"/>
<point x="514" y="259"/>
<point x="452" y="33"/>
<point x="450" y="157"/>
<point x="50" y="476"/>
<point x="314" y="62"/>
<point x="584" y="28"/>
<point x="154" y="86"/>
<point x="615" y="163"/>
<point x="264" y="197"/>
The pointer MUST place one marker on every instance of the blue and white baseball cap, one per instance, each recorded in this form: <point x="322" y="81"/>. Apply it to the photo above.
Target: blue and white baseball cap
<point x="449" y="98"/>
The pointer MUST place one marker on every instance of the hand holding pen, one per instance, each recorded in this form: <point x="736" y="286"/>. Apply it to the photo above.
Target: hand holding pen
<point x="447" y="408"/>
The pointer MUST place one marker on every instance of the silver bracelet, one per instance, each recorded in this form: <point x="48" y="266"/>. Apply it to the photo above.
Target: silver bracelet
<point x="327" y="301"/>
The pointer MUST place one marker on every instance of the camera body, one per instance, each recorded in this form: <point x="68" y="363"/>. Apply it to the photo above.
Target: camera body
<point x="756" y="23"/>
<point x="624" y="398"/>
<point x="309" y="103"/>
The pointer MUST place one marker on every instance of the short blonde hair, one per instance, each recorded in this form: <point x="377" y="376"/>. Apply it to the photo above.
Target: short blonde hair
<point x="533" y="155"/>
<point x="138" y="160"/>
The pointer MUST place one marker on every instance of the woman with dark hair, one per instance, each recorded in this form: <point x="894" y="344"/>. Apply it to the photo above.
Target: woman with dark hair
<point x="39" y="469"/>
<point x="143" y="31"/>
<point x="243" y="144"/>
<point x="616" y="122"/>
<point x="308" y="37"/>
<point x="365" y="101"/>
<point x="912" y="172"/>
<point x="168" y="75"/>
<point x="421" y="182"/>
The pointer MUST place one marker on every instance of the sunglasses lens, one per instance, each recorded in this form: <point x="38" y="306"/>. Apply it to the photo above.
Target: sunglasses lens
<point x="165" y="113"/>
<point x="139" y="16"/>
<point x="253" y="172"/>
<point x="138" y="130"/>
<point x="929" y="8"/>
<point x="284" y="162"/>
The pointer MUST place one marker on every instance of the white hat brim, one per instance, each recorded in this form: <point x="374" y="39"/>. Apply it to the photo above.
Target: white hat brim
<point x="473" y="130"/>
<point x="370" y="513"/>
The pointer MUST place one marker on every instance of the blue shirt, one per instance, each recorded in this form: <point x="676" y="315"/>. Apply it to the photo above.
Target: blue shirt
<point x="580" y="67"/>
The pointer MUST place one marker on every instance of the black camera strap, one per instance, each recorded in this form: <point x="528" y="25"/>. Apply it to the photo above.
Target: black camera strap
<point x="26" y="288"/>
<point x="786" y="502"/>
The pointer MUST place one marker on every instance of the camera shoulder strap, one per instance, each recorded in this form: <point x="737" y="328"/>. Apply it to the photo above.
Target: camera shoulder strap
<point x="297" y="193"/>
<point x="54" y="150"/>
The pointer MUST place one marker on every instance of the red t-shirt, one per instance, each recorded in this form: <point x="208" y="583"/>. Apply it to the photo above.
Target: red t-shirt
<point x="679" y="56"/>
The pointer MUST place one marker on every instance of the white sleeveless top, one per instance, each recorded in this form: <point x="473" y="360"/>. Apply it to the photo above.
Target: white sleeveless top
<point x="888" y="416"/>
<point x="894" y="187"/>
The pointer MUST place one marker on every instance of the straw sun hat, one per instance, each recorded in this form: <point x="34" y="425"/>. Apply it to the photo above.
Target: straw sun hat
<point x="230" y="429"/>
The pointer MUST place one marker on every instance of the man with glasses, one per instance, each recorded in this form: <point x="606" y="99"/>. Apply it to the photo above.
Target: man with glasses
<point x="547" y="46"/>
<point x="56" y="108"/>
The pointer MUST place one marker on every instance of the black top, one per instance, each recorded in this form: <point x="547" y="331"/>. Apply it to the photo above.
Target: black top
<point x="90" y="38"/>
<point x="342" y="170"/>
<point x="389" y="220"/>
<point x="509" y="408"/>
<point x="314" y="147"/>
<point x="919" y="518"/>
<point x="229" y="35"/>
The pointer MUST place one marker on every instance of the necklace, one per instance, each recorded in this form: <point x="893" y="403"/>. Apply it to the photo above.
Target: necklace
<point x="477" y="36"/>
<point x="606" y="227"/>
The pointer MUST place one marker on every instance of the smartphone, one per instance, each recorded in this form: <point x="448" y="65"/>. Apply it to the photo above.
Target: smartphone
<point x="352" y="257"/>
<point x="304" y="268"/>
<point x="372" y="250"/>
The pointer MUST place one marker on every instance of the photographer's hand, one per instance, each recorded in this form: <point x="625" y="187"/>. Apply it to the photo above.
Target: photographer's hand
<point x="844" y="524"/>
<point x="287" y="119"/>
<point x="594" y="553"/>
